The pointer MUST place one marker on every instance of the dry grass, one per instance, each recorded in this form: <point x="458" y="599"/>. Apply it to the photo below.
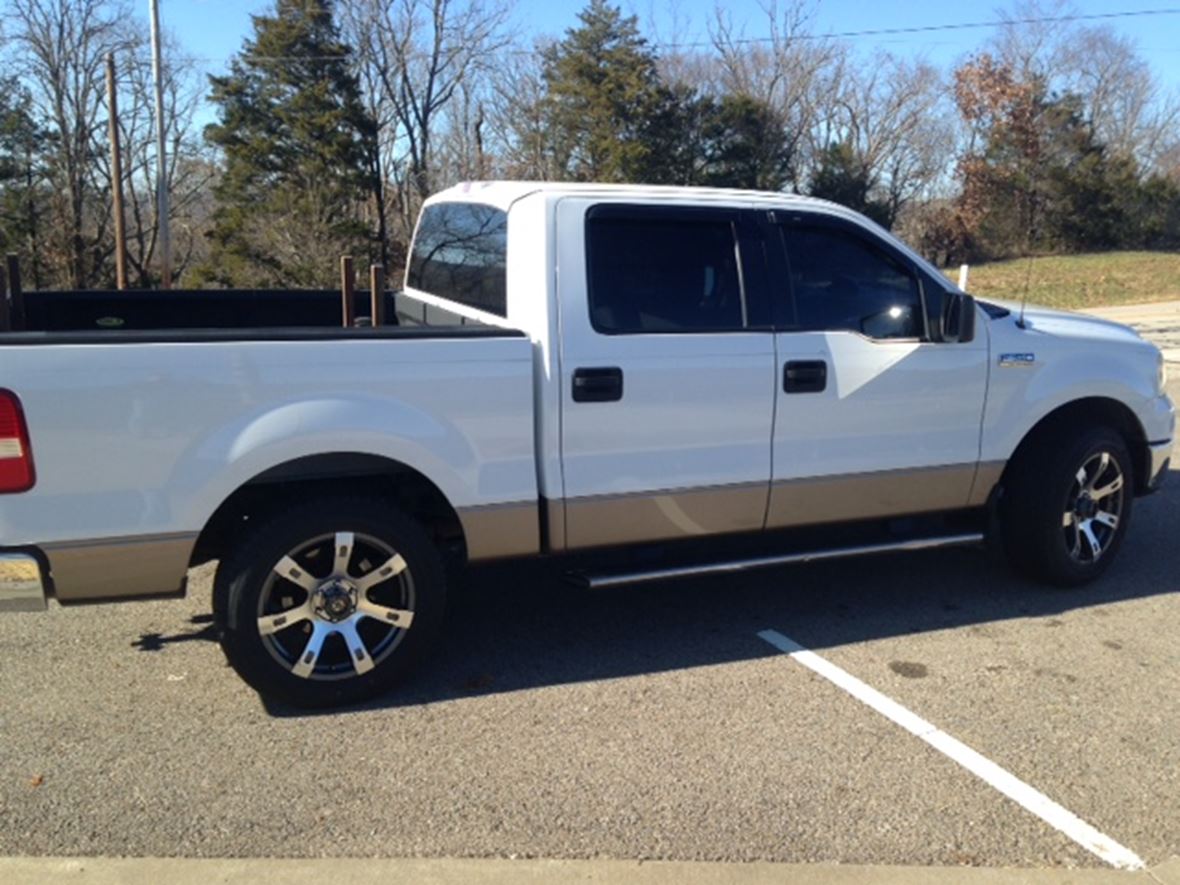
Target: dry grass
<point x="1080" y="281"/>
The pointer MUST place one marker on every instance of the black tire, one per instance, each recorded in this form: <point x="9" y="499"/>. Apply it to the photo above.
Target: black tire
<point x="1044" y="491"/>
<point x="318" y="591"/>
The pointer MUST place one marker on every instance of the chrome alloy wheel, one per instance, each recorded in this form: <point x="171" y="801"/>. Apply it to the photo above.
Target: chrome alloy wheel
<point x="1094" y="507"/>
<point x="336" y="606"/>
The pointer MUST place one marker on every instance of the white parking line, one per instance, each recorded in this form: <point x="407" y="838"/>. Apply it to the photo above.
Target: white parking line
<point x="1007" y="783"/>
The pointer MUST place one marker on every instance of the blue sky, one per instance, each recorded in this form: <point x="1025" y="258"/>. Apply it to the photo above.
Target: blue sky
<point x="213" y="29"/>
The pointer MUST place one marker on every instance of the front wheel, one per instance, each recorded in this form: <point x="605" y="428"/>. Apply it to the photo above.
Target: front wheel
<point x="1067" y="504"/>
<point x="330" y="603"/>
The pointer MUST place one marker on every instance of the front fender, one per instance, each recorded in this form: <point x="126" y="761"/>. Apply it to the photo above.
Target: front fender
<point x="1019" y="397"/>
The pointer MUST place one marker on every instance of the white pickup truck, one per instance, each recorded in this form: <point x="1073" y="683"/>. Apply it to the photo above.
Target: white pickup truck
<point x="573" y="367"/>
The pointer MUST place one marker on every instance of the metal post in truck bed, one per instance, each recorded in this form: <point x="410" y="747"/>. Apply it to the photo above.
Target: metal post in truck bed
<point x="347" y="287"/>
<point x="377" y="294"/>
<point x="5" y="319"/>
<point x="16" y="298"/>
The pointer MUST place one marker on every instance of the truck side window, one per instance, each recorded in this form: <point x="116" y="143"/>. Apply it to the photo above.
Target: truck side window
<point x="460" y="253"/>
<point x="648" y="273"/>
<point x="840" y="282"/>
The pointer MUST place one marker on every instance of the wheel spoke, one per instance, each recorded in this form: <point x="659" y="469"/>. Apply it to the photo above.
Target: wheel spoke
<point x="1103" y="463"/>
<point x="295" y="573"/>
<point x="395" y="565"/>
<point x="311" y="652"/>
<point x="344" y="543"/>
<point x="269" y="624"/>
<point x="356" y="647"/>
<point x="1080" y="476"/>
<point x="1109" y="520"/>
<point x="397" y="616"/>
<point x="1086" y="529"/>
<point x="1109" y="489"/>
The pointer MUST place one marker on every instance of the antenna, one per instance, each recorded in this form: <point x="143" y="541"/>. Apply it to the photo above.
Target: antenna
<point x="1030" y="237"/>
<point x="1024" y="294"/>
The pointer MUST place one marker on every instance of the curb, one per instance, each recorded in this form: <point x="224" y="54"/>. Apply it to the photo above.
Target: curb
<point x="360" y="871"/>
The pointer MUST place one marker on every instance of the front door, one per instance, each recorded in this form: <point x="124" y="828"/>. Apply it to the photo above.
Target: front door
<point x="874" y="417"/>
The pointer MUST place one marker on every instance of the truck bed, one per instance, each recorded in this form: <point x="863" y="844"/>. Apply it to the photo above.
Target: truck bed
<point x="112" y="313"/>
<point x="141" y="430"/>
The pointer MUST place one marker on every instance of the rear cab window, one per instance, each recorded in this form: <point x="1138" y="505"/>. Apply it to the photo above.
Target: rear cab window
<point x="460" y="253"/>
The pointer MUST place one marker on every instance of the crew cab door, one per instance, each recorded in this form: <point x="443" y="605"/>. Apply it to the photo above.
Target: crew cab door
<point x="874" y="417"/>
<point x="667" y="371"/>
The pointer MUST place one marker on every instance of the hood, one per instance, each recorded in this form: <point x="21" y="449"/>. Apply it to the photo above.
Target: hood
<point x="1068" y="324"/>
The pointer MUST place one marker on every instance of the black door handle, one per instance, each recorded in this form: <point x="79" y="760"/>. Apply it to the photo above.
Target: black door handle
<point x="805" y="376"/>
<point x="598" y="385"/>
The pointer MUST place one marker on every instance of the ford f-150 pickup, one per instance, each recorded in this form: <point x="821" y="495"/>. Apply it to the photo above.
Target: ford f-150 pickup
<point x="572" y="368"/>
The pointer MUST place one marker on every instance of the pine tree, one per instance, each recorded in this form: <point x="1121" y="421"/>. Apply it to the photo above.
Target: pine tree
<point x="603" y="98"/>
<point x="842" y="178"/>
<point x="296" y="138"/>
<point x="22" y="188"/>
<point x="745" y="146"/>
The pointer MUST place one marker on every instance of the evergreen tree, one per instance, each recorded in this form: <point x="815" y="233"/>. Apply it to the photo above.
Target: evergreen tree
<point x="1039" y="179"/>
<point x="22" y="190"/>
<point x="296" y="141"/>
<point x="603" y="98"/>
<point x="746" y="146"/>
<point x="842" y="178"/>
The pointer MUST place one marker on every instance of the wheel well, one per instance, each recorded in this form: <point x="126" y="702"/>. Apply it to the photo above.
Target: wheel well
<point x="1092" y="412"/>
<point x="332" y="474"/>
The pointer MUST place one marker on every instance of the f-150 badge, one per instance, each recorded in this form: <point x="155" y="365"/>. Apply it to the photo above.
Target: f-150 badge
<point x="1018" y="360"/>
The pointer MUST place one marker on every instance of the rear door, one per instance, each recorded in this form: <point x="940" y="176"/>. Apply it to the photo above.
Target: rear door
<point x="668" y="367"/>
<point x="875" y="417"/>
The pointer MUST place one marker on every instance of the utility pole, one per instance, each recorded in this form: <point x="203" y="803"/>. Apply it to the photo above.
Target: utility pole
<point x="116" y="177"/>
<point x="165" y="235"/>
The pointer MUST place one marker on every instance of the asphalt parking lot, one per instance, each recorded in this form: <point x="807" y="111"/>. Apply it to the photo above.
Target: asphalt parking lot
<point x="649" y="722"/>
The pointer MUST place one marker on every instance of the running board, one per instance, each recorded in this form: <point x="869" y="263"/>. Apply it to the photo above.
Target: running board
<point x="601" y="582"/>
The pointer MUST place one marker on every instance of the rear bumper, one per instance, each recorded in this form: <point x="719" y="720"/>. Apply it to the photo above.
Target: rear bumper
<point x="22" y="583"/>
<point x="101" y="570"/>
<point x="1159" y="460"/>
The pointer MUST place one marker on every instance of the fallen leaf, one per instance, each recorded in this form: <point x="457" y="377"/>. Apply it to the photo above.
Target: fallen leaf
<point x="36" y="780"/>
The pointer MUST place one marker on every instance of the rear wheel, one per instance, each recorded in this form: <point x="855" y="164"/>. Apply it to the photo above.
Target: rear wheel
<point x="330" y="603"/>
<point x="1067" y="504"/>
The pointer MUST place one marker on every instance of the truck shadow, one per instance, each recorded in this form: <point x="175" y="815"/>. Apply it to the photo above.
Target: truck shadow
<point x="514" y="628"/>
<point x="206" y="632"/>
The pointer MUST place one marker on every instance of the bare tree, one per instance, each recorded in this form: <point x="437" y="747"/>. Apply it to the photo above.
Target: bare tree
<point x="1127" y="108"/>
<point x="895" y="116"/>
<point x="783" y="71"/>
<point x="416" y="56"/>
<point x="1122" y="99"/>
<point x="1033" y="40"/>
<point x="188" y="173"/>
<point x="61" y="46"/>
<point x="515" y="123"/>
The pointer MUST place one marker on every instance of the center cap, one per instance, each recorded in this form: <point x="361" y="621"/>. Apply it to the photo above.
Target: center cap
<point x="1086" y="507"/>
<point x="335" y="600"/>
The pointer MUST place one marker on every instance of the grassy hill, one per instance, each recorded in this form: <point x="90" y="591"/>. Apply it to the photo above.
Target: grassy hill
<point x="1080" y="281"/>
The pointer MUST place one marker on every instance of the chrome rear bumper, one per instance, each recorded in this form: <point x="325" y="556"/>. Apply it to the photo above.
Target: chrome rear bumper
<point x="22" y="587"/>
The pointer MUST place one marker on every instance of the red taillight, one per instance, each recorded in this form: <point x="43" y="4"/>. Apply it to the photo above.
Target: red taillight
<point x="16" y="458"/>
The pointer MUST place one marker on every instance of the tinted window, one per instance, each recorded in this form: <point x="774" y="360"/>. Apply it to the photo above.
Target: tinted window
<point x="459" y="254"/>
<point x="653" y="273"/>
<point x="841" y="282"/>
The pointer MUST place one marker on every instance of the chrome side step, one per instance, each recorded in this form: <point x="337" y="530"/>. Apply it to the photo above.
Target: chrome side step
<point x="601" y="582"/>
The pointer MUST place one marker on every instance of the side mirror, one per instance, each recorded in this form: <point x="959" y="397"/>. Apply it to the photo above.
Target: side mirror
<point x="958" y="317"/>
